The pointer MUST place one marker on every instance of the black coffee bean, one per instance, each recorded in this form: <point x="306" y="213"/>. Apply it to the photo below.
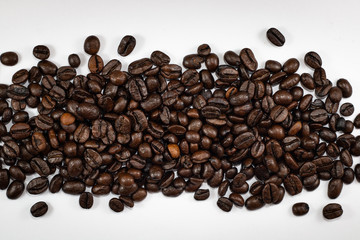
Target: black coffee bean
<point x="74" y="60"/>
<point x="275" y="37"/>
<point x="86" y="200"/>
<point x="332" y="210"/>
<point x="300" y="209"/>
<point x="15" y="189"/>
<point x="127" y="45"/>
<point x="92" y="45"/>
<point x="313" y="60"/>
<point x="347" y="109"/>
<point x="116" y="205"/>
<point x="9" y="58"/>
<point x="37" y="185"/>
<point x="39" y="209"/>
<point x="225" y="204"/>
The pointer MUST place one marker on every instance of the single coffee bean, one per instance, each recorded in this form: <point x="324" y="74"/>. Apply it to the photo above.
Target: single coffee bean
<point x="332" y="210"/>
<point x="345" y="87"/>
<point x="92" y="45"/>
<point x="275" y="37"/>
<point x="254" y="202"/>
<point x="39" y="209"/>
<point x="300" y="209"/>
<point x="313" y="60"/>
<point x="248" y="59"/>
<point x="37" y="185"/>
<point x="225" y="204"/>
<point x="202" y="194"/>
<point x="74" y="60"/>
<point x="347" y="109"/>
<point x="334" y="188"/>
<point x="127" y="45"/>
<point x="15" y="189"/>
<point x="86" y="200"/>
<point x="357" y="172"/>
<point x="273" y="66"/>
<point x="291" y="66"/>
<point x="41" y="52"/>
<point x="9" y="58"/>
<point x="116" y="205"/>
<point x="204" y="50"/>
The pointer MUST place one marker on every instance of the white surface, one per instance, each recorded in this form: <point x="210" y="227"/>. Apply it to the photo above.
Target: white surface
<point x="331" y="28"/>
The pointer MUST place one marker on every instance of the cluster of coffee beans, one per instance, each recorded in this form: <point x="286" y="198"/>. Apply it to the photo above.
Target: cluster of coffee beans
<point x="160" y="128"/>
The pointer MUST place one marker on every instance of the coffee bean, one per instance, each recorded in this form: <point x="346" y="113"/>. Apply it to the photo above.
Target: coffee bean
<point x="73" y="187"/>
<point x="74" y="60"/>
<point x="313" y="60"/>
<point x="347" y="109"/>
<point x="140" y="66"/>
<point x="41" y="52"/>
<point x="9" y="58"/>
<point x="39" y="209"/>
<point x="254" y="202"/>
<point x="86" y="200"/>
<point x="345" y="87"/>
<point x="248" y="59"/>
<point x="127" y="45"/>
<point x="116" y="205"/>
<point x="92" y="45"/>
<point x="300" y="209"/>
<point x="293" y="184"/>
<point x="291" y="66"/>
<point x="37" y="185"/>
<point x="275" y="37"/>
<point x="334" y="188"/>
<point x="225" y="204"/>
<point x="332" y="210"/>
<point x="201" y="194"/>
<point x="15" y="189"/>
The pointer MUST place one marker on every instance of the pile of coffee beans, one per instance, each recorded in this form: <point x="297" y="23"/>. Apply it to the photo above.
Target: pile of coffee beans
<point x="160" y="127"/>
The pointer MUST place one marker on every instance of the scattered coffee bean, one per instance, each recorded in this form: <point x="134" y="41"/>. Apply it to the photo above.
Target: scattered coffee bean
<point x="275" y="37"/>
<point x="300" y="209"/>
<point x="86" y="200"/>
<point x="127" y="45"/>
<point x="9" y="58"/>
<point x="39" y="209"/>
<point x="332" y="210"/>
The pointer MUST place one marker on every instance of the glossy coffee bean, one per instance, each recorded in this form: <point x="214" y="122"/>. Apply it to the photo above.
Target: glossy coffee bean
<point x="9" y="58"/>
<point x="300" y="209"/>
<point x="39" y="209"/>
<point x="225" y="204"/>
<point x="332" y="210"/>
<point x="92" y="45"/>
<point x="313" y="60"/>
<point x="86" y="200"/>
<point x="127" y="45"/>
<point x="275" y="37"/>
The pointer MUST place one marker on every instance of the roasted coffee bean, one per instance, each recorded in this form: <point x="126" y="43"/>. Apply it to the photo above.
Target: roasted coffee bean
<point x="212" y="62"/>
<point x="15" y="189"/>
<point x="313" y="60"/>
<point x="92" y="45"/>
<point x="201" y="194"/>
<point x="39" y="209"/>
<point x="116" y="205"/>
<point x="275" y="37"/>
<point x="273" y="66"/>
<point x="37" y="185"/>
<point x="345" y="87"/>
<point x="357" y="172"/>
<point x="332" y="210"/>
<point x="4" y="179"/>
<point x="248" y="59"/>
<point x="74" y="60"/>
<point x="9" y="58"/>
<point x="300" y="209"/>
<point x="127" y="45"/>
<point x="225" y="204"/>
<point x="86" y="200"/>
<point x="56" y="184"/>
<point x="254" y="202"/>
<point x="159" y="58"/>
<point x="293" y="184"/>
<point x="17" y="92"/>
<point x="291" y="66"/>
<point x="347" y="109"/>
<point x="41" y="52"/>
<point x="334" y="188"/>
<point x="73" y="187"/>
<point x="140" y="66"/>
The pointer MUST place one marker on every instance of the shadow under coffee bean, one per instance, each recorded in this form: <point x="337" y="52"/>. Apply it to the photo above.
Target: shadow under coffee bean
<point x="161" y="127"/>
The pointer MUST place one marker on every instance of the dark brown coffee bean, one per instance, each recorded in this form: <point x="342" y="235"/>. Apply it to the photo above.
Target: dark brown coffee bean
<point x="279" y="113"/>
<point x="116" y="205"/>
<point x="293" y="184"/>
<point x="275" y="37"/>
<point x="273" y="66"/>
<point x="39" y="209"/>
<point x="248" y="59"/>
<point x="140" y="66"/>
<point x="291" y="66"/>
<point x="307" y="81"/>
<point x="86" y="200"/>
<point x="127" y="45"/>
<point x="332" y="210"/>
<point x="313" y="60"/>
<point x="56" y="184"/>
<point x="347" y="109"/>
<point x="300" y="209"/>
<point x="345" y="87"/>
<point x="92" y="45"/>
<point x="17" y="92"/>
<point x="73" y="187"/>
<point x="225" y="204"/>
<point x="334" y="188"/>
<point x="254" y="202"/>
<point x="4" y="179"/>
<point x="74" y="60"/>
<point x="9" y="58"/>
<point x="15" y="189"/>
<point x="159" y="58"/>
<point x="37" y="185"/>
<point x="41" y="52"/>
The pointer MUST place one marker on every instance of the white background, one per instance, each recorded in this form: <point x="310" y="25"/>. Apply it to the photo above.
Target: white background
<point x="331" y="28"/>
